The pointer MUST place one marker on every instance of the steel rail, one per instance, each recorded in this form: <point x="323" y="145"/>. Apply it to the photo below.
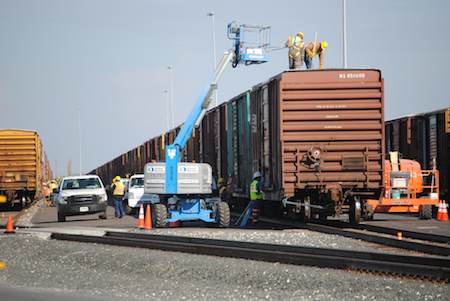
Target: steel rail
<point x="425" y="267"/>
<point x="393" y="231"/>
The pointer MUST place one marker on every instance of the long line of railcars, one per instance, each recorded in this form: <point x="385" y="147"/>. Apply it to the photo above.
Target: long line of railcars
<point x="317" y="137"/>
<point x="425" y="138"/>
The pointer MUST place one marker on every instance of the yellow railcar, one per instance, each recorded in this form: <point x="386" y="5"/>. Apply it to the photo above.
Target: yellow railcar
<point x="24" y="167"/>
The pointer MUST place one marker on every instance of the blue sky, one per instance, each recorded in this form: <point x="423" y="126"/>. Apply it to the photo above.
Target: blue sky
<point x="110" y="59"/>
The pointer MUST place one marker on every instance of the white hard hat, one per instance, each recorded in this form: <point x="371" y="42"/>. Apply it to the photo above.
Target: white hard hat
<point x="257" y="174"/>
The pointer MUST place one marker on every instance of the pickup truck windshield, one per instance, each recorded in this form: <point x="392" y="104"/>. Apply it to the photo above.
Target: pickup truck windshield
<point x="89" y="183"/>
<point x="137" y="183"/>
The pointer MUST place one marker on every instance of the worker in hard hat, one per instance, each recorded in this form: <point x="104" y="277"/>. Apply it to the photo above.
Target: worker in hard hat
<point x="312" y="50"/>
<point x="222" y="187"/>
<point x="53" y="186"/>
<point x="256" y="197"/>
<point x="295" y="53"/>
<point x="118" y="191"/>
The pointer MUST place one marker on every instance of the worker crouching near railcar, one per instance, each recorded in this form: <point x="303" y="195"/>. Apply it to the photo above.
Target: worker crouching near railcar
<point x="118" y="191"/>
<point x="256" y="198"/>
<point x="312" y="50"/>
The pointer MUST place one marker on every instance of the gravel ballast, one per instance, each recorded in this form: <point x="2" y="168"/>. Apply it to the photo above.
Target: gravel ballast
<point x="101" y="270"/>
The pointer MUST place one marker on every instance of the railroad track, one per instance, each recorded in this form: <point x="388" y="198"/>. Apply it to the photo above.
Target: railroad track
<point x="432" y="268"/>
<point x="413" y="241"/>
<point x="429" y="237"/>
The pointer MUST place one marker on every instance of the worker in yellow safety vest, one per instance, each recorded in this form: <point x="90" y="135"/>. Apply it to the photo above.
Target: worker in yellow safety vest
<point x="295" y="53"/>
<point x="53" y="186"/>
<point x="118" y="191"/>
<point x="312" y="50"/>
<point x="256" y="197"/>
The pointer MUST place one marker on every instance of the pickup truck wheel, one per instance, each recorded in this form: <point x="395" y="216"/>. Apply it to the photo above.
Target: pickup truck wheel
<point x="223" y="215"/>
<point x="61" y="217"/>
<point x="160" y="215"/>
<point x="103" y="215"/>
<point x="128" y="209"/>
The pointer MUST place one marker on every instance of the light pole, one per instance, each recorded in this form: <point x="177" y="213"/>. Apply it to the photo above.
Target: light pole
<point x="79" y="134"/>
<point x="211" y="14"/>
<point x="166" y="96"/>
<point x="344" y="33"/>
<point x="170" y="68"/>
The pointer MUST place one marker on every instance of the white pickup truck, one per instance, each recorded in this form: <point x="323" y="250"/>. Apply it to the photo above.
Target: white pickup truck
<point x="135" y="195"/>
<point x="81" y="195"/>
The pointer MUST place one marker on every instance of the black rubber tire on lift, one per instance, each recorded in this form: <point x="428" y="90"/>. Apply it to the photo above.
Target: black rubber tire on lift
<point x="103" y="215"/>
<point x="61" y="217"/>
<point x="355" y="213"/>
<point x="305" y="211"/>
<point x="223" y="215"/>
<point x="160" y="215"/>
<point x="426" y="212"/>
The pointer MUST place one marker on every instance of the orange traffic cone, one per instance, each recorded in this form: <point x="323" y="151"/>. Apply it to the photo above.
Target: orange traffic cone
<point x="439" y="213"/>
<point x="141" y="217"/>
<point x="148" y="218"/>
<point x="444" y="212"/>
<point x="9" y="225"/>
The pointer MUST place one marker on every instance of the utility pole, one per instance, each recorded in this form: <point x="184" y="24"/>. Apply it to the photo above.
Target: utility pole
<point x="170" y="68"/>
<point x="211" y="14"/>
<point x="69" y="168"/>
<point x="79" y="135"/>
<point x="166" y="98"/>
<point x="344" y="33"/>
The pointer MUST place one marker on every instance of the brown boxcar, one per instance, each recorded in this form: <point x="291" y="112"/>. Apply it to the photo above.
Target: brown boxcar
<point x="317" y="138"/>
<point x="23" y="166"/>
<point x="425" y="138"/>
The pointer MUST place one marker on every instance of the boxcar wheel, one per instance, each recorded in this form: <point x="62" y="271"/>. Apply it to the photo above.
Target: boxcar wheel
<point x="355" y="211"/>
<point x="305" y="212"/>
<point x="425" y="212"/>
<point x="160" y="215"/>
<point x="223" y="215"/>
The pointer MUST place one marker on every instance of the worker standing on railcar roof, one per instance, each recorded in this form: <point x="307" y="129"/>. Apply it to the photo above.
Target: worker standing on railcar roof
<point x="256" y="197"/>
<point x="312" y="50"/>
<point x="295" y="52"/>
<point x="118" y="189"/>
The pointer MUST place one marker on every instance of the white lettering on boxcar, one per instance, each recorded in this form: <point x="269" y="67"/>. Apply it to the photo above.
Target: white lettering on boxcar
<point x="352" y="75"/>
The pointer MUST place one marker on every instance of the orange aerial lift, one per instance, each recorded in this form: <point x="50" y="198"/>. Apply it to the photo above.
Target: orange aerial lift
<point x="408" y="188"/>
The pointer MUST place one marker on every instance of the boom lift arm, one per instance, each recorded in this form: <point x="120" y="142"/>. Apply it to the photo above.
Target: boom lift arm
<point x="194" y="119"/>
<point x="186" y="187"/>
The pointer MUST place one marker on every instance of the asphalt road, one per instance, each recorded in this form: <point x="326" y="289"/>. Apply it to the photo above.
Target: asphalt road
<point x="411" y="222"/>
<point x="10" y="293"/>
<point x="47" y="217"/>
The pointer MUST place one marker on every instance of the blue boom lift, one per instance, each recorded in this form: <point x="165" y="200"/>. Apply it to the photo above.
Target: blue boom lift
<point x="184" y="189"/>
